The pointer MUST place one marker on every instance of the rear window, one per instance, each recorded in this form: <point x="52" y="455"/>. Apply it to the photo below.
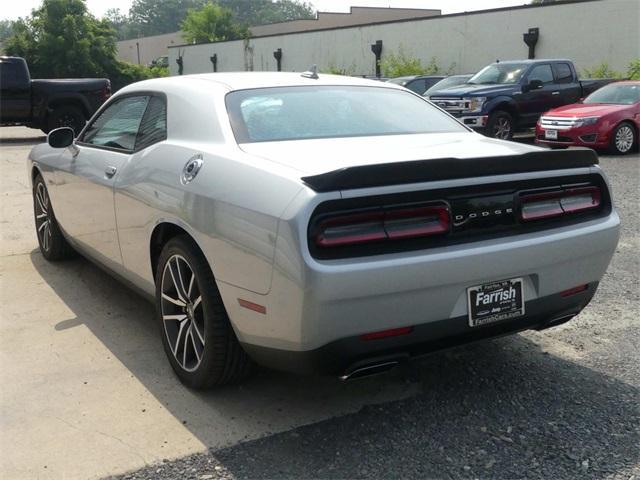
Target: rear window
<point x="298" y="113"/>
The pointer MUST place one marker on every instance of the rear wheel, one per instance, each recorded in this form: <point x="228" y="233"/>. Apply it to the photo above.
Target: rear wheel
<point x="623" y="139"/>
<point x="67" y="116"/>
<point x="196" y="333"/>
<point x="52" y="243"/>
<point x="500" y="125"/>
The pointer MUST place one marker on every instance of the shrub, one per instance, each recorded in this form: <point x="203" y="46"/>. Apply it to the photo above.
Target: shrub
<point x="601" y="71"/>
<point x="633" y="72"/>
<point x="401" y="64"/>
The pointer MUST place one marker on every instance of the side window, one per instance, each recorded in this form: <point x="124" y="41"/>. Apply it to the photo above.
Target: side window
<point x="117" y="126"/>
<point x="153" y="127"/>
<point x="11" y="75"/>
<point x="542" y="73"/>
<point x="417" y="86"/>
<point x="562" y="73"/>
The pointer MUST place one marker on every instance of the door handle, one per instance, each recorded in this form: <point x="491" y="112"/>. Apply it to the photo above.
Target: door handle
<point x="555" y="93"/>
<point x="110" y="171"/>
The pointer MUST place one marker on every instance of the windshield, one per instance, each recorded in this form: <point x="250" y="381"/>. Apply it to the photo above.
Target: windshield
<point x="616" y="93"/>
<point x="447" y="83"/>
<point x="297" y="113"/>
<point x="499" y="73"/>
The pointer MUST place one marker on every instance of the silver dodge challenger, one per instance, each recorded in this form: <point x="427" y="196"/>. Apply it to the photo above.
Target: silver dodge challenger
<point x="318" y="223"/>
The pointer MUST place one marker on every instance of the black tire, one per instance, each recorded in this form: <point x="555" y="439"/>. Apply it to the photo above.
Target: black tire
<point x="67" y="116"/>
<point x="500" y="125"/>
<point x="53" y="245"/>
<point x="623" y="139"/>
<point x="558" y="147"/>
<point x="205" y="326"/>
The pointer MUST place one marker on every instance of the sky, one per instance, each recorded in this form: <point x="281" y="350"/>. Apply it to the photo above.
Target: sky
<point x="14" y="9"/>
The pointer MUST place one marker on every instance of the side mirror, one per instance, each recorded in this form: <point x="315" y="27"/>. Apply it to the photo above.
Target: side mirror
<point x="61" y="137"/>
<point x="535" y="84"/>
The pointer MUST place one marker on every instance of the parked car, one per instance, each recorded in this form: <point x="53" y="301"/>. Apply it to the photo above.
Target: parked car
<point x="162" y="61"/>
<point x="448" y="82"/>
<point x="320" y="223"/>
<point x="608" y="118"/>
<point x="506" y="97"/>
<point x="417" y="83"/>
<point x="47" y="104"/>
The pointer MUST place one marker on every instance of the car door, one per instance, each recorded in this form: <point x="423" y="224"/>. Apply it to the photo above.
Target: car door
<point x="537" y="101"/>
<point x="15" y="86"/>
<point x="85" y="179"/>
<point x="567" y="89"/>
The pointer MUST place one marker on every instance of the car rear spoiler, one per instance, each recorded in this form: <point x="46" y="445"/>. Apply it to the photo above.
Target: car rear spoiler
<point x="364" y="176"/>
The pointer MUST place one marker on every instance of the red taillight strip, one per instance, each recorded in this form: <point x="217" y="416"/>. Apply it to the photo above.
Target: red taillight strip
<point x="574" y="290"/>
<point x="392" y="332"/>
<point x="538" y="206"/>
<point x="390" y="224"/>
<point x="252" y="306"/>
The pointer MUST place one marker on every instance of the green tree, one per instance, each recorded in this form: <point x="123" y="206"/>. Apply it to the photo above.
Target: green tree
<point x="6" y="29"/>
<point x="211" y="23"/>
<point x="61" y="39"/>
<point x="260" y="12"/>
<point x="121" y="23"/>
<point x="154" y="17"/>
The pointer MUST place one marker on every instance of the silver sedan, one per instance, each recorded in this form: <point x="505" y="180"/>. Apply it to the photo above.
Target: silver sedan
<point x="319" y="223"/>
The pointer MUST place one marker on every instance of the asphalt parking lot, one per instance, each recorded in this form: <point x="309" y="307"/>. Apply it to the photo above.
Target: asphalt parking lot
<point x="88" y="393"/>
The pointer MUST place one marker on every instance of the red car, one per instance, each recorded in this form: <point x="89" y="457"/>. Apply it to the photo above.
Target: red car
<point x="608" y="118"/>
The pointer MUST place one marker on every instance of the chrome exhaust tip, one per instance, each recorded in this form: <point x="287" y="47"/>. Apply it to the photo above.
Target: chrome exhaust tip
<point x="554" y="322"/>
<point x="368" y="370"/>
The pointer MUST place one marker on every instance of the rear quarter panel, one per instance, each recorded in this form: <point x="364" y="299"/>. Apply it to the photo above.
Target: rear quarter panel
<point x="231" y="209"/>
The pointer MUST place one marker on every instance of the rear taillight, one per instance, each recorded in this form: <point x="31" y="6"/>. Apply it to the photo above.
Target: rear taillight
<point x="539" y="206"/>
<point x="383" y="225"/>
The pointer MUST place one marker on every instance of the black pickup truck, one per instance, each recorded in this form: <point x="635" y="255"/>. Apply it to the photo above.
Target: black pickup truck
<point x="506" y="97"/>
<point x="47" y="104"/>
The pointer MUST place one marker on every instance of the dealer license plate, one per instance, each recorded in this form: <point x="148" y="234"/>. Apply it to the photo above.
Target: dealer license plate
<point x="493" y="302"/>
<point x="551" y="134"/>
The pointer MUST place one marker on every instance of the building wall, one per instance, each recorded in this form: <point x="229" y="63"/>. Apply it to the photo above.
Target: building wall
<point x="587" y="32"/>
<point x="150" y="47"/>
<point x="356" y="16"/>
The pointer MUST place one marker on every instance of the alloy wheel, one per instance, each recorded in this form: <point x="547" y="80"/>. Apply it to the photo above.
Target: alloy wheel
<point x="43" y="219"/>
<point x="502" y="128"/>
<point x="624" y="139"/>
<point x="182" y="315"/>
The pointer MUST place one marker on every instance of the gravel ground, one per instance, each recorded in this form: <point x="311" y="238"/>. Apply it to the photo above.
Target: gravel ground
<point x="558" y="404"/>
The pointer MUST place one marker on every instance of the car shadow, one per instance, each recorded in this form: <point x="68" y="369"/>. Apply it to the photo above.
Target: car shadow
<point x="500" y="409"/>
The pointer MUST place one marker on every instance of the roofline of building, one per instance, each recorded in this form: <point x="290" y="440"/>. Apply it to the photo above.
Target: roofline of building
<point x="401" y="20"/>
<point x="350" y="12"/>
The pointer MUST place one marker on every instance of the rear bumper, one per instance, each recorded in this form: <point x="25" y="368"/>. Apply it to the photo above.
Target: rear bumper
<point x="349" y="354"/>
<point x="316" y="307"/>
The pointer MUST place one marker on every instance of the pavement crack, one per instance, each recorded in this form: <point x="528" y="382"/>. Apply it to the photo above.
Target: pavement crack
<point x="112" y="437"/>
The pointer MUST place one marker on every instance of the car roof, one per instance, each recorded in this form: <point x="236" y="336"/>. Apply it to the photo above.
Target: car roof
<point x="247" y="80"/>
<point x="626" y="82"/>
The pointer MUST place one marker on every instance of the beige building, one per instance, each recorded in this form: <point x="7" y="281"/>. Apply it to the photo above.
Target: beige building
<point x="356" y="16"/>
<point x="145" y="49"/>
<point x="589" y="32"/>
